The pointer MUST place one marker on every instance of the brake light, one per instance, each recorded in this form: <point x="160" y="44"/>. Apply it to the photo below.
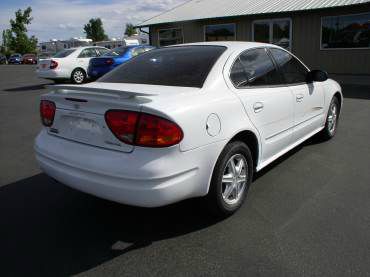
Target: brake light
<point x="53" y="64"/>
<point x="109" y="61"/>
<point x="154" y="131"/>
<point x="143" y="129"/>
<point x="122" y="124"/>
<point x="47" y="112"/>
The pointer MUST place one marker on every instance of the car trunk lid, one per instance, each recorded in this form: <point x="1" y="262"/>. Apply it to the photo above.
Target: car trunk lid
<point x="80" y="112"/>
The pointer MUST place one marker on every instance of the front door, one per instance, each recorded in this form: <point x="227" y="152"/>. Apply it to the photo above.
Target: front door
<point x="308" y="96"/>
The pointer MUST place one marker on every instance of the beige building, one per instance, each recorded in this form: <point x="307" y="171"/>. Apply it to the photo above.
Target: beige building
<point x="333" y="35"/>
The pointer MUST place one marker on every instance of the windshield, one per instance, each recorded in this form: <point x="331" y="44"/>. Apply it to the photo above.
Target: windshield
<point x="16" y="56"/>
<point x="64" y="53"/>
<point x="119" y="51"/>
<point x="184" y="66"/>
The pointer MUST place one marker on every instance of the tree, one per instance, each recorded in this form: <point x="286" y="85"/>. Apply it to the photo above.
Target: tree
<point x="94" y="30"/>
<point x="15" y="39"/>
<point x="130" y="30"/>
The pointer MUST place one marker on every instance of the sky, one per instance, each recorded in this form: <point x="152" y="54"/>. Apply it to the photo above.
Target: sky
<point x="63" y="19"/>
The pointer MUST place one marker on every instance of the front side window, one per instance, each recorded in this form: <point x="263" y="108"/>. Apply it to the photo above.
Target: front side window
<point x="254" y="68"/>
<point x="294" y="72"/>
<point x="168" y="37"/>
<point x="184" y="66"/>
<point x="276" y="31"/>
<point x="220" y="32"/>
<point x="348" y="31"/>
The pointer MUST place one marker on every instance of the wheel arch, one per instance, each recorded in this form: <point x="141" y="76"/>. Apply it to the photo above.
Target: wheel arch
<point x="251" y="140"/>
<point x="78" y="67"/>
<point x="339" y="96"/>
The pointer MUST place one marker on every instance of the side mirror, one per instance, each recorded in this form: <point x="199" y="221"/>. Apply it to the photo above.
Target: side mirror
<point x="317" y="76"/>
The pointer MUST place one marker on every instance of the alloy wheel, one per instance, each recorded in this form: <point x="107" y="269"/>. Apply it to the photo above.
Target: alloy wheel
<point x="78" y="76"/>
<point x="332" y="118"/>
<point x="234" y="179"/>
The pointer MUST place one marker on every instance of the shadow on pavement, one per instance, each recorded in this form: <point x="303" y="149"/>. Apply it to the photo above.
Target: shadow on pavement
<point x="25" y="88"/>
<point x="50" y="230"/>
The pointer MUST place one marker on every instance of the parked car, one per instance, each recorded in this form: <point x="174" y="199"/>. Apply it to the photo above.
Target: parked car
<point x="99" y="66"/>
<point x="15" y="59"/>
<point x="185" y="121"/>
<point x="3" y="59"/>
<point x="29" y="59"/>
<point x="69" y="64"/>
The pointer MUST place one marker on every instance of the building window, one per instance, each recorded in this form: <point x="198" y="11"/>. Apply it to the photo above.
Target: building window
<point x="346" y="31"/>
<point x="276" y="31"/>
<point x="170" y="36"/>
<point x="219" y="32"/>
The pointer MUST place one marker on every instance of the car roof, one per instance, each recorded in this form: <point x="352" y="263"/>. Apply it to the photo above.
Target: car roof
<point x="231" y="45"/>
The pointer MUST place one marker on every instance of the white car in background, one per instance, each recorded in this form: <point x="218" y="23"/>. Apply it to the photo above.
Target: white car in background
<point x="69" y="64"/>
<point x="185" y="121"/>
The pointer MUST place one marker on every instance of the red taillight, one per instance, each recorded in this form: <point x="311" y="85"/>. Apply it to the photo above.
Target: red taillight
<point x="47" y="112"/>
<point x="154" y="131"/>
<point x="122" y="124"/>
<point x="109" y="61"/>
<point x="53" y="64"/>
<point x="143" y="129"/>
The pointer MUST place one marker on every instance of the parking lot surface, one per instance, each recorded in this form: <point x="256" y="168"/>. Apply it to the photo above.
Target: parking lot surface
<point x="308" y="214"/>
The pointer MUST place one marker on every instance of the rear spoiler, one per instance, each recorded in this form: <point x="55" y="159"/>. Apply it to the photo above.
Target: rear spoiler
<point x="96" y="89"/>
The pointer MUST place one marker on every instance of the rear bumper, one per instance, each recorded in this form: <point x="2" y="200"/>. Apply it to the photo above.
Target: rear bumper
<point x="146" y="177"/>
<point x="95" y="73"/>
<point x="53" y="74"/>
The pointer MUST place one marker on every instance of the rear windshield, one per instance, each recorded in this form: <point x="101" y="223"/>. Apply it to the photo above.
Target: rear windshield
<point x="64" y="53"/>
<point x="183" y="66"/>
<point x="119" y="51"/>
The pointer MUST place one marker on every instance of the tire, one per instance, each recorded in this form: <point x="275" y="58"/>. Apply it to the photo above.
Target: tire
<point x="223" y="199"/>
<point x="331" y="123"/>
<point x="78" y="76"/>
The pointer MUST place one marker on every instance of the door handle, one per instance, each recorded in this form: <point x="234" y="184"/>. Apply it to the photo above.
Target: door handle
<point x="258" y="107"/>
<point x="299" y="97"/>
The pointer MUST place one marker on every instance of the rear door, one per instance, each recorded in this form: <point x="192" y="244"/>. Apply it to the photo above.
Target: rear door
<point x="84" y="57"/>
<point x="308" y="96"/>
<point x="268" y="104"/>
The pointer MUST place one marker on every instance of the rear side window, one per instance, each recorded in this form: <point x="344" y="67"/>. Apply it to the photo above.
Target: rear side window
<point x="88" y="53"/>
<point x="184" y="66"/>
<point x="294" y="72"/>
<point x="102" y="51"/>
<point x="64" y="53"/>
<point x="254" y="68"/>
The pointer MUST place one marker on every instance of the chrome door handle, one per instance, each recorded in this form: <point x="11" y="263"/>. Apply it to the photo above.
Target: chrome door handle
<point x="258" y="107"/>
<point x="299" y="97"/>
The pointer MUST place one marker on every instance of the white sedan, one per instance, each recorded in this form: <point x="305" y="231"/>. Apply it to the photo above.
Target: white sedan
<point x="194" y="120"/>
<point x="69" y="64"/>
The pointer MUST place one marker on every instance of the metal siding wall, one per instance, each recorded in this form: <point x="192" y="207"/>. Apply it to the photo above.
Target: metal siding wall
<point x="306" y="45"/>
<point x="305" y="35"/>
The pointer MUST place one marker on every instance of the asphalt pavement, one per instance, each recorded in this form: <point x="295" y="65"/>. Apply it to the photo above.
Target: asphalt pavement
<point x="308" y="214"/>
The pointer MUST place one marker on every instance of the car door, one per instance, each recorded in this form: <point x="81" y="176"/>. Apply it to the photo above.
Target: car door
<point x="84" y="57"/>
<point x="268" y="104"/>
<point x="308" y="96"/>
